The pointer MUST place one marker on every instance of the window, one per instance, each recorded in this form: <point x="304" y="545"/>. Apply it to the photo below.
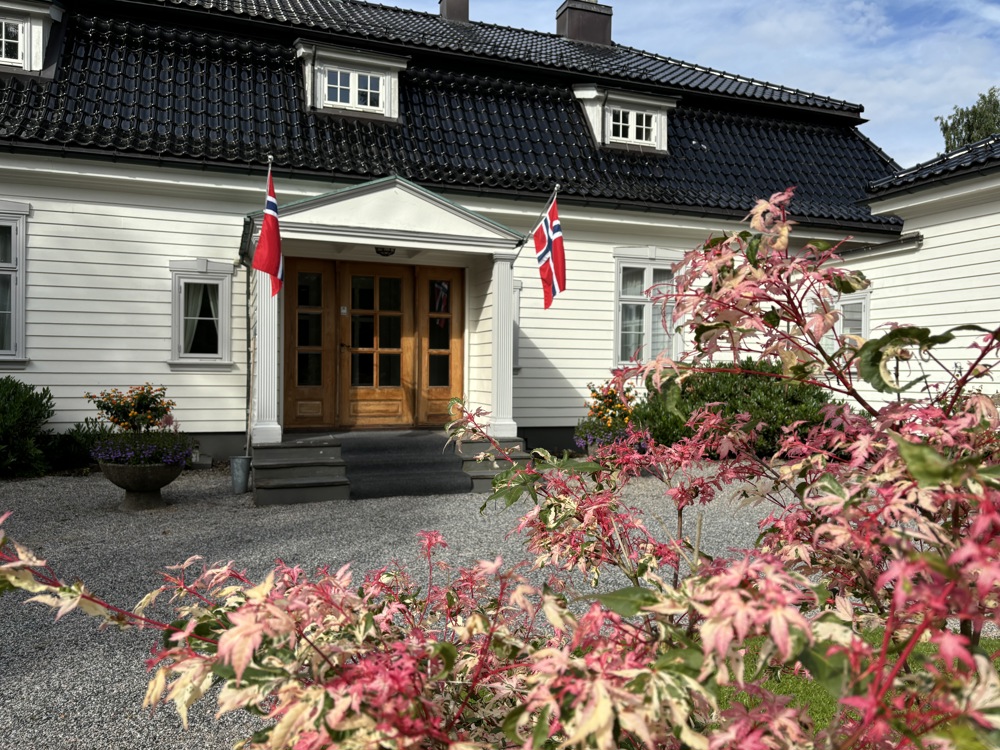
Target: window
<point x="12" y="42"/>
<point x="347" y="80"/>
<point x="12" y="281"/>
<point x="853" y="320"/>
<point x="643" y="327"/>
<point x="351" y="89"/>
<point x="202" y="313"/>
<point x="629" y="126"/>
<point x="623" y="119"/>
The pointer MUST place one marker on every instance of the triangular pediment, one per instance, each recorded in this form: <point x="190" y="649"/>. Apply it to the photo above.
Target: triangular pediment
<point x="392" y="211"/>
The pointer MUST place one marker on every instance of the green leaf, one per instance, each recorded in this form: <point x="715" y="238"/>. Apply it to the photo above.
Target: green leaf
<point x="510" y="723"/>
<point x="964" y="735"/>
<point x="627" y="602"/>
<point x="753" y="250"/>
<point x="853" y="281"/>
<point x="541" y="731"/>
<point x="772" y="318"/>
<point x="925" y="464"/>
<point x="877" y="355"/>
<point x="828" y="671"/>
<point x="448" y="654"/>
<point x="829" y="484"/>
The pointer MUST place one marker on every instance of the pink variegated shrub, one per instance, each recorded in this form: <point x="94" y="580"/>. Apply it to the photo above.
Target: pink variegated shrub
<point x="877" y="571"/>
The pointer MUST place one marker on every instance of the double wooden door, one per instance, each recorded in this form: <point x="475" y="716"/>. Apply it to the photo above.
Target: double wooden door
<point x="370" y="345"/>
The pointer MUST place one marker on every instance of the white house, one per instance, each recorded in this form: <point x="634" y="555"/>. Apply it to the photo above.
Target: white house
<point x="412" y="153"/>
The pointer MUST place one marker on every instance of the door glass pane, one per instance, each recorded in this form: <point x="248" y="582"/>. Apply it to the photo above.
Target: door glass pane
<point x="440" y="297"/>
<point x="363" y="292"/>
<point x="390" y="332"/>
<point x="633" y="281"/>
<point x="362" y="369"/>
<point x="631" y="331"/>
<point x="440" y="333"/>
<point x="310" y="329"/>
<point x="6" y="245"/>
<point x="388" y="369"/>
<point x="310" y="290"/>
<point x="310" y="368"/>
<point x="439" y="370"/>
<point x="363" y="331"/>
<point x="390" y="294"/>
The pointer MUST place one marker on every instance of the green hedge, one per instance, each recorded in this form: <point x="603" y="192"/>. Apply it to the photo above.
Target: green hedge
<point x="23" y="414"/>
<point x="773" y="401"/>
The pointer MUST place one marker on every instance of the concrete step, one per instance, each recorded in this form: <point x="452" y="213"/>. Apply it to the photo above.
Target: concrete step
<point x="305" y="448"/>
<point x="292" y="468"/>
<point x="482" y="472"/>
<point x="300" y="490"/>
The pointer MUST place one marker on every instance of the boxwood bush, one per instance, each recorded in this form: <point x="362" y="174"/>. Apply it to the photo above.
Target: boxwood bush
<point x="23" y="414"/>
<point x="773" y="401"/>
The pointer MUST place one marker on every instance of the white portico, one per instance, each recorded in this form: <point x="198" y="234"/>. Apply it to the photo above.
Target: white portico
<point x="395" y="301"/>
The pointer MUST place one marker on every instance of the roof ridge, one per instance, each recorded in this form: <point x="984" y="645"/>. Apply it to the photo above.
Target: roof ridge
<point x="743" y="79"/>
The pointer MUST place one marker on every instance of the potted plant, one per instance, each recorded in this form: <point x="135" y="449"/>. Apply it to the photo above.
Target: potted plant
<point x="146" y="451"/>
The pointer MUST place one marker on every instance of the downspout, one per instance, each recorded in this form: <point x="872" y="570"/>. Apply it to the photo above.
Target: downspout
<point x="242" y="260"/>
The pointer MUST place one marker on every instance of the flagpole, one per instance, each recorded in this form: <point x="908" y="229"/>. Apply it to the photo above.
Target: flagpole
<point x="524" y="240"/>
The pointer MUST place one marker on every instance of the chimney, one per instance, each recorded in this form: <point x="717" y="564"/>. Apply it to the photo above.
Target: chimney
<point x="584" y="21"/>
<point x="455" y="10"/>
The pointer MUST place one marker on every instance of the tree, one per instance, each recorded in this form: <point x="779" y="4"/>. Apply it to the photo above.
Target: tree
<point x="970" y="124"/>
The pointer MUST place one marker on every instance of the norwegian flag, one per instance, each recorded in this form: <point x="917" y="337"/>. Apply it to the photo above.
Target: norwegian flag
<point x="267" y="256"/>
<point x="550" y="254"/>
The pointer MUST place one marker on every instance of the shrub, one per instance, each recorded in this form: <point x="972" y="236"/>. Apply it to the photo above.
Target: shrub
<point x="773" y="403"/>
<point x="71" y="450"/>
<point x="609" y="413"/>
<point x="143" y="407"/>
<point x="23" y="413"/>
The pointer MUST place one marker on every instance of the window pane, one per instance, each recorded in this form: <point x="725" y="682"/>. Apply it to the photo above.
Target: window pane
<point x="390" y="294"/>
<point x="310" y="290"/>
<point x="439" y="370"/>
<point x="362" y="370"/>
<point x="338" y="86"/>
<point x="662" y="275"/>
<point x="660" y="338"/>
<point x="310" y="369"/>
<point x="6" y="313"/>
<point x="631" y="331"/>
<point x="852" y="318"/>
<point x="388" y="370"/>
<point x="310" y="329"/>
<point x="363" y="292"/>
<point x="440" y="296"/>
<point x="440" y="333"/>
<point x="390" y="332"/>
<point x="363" y="331"/>
<point x="633" y="282"/>
<point x="201" y="319"/>
<point x="6" y="244"/>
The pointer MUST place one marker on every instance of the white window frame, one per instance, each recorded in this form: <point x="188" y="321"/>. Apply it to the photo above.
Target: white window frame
<point x="201" y="271"/>
<point x="862" y="298"/>
<point x="22" y="33"/>
<point x="14" y="215"/>
<point x="629" y="121"/>
<point x="601" y="105"/>
<point x="647" y="259"/>
<point x="321" y="60"/>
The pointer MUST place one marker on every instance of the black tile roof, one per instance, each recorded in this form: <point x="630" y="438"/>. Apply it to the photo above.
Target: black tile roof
<point x="973" y="159"/>
<point x="384" y="23"/>
<point x="131" y="90"/>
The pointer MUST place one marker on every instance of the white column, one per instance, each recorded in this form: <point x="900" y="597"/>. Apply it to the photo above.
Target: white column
<point x="266" y="428"/>
<point x="502" y="424"/>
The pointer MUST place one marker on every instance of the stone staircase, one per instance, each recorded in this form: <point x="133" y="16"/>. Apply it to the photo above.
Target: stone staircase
<point x="369" y="464"/>
<point x="303" y="470"/>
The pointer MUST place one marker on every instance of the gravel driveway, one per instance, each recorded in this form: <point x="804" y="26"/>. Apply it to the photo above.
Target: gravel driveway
<point x="67" y="685"/>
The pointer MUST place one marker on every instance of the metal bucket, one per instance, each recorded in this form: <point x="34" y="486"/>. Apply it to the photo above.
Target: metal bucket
<point x="240" y="468"/>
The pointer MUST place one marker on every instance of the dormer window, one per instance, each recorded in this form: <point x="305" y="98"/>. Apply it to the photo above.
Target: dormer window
<point x="340" y="80"/>
<point x="623" y="119"/>
<point x="12" y="42"/>
<point x="25" y="28"/>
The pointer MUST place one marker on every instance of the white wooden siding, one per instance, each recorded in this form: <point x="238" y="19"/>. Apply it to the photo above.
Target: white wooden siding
<point x="480" y="334"/>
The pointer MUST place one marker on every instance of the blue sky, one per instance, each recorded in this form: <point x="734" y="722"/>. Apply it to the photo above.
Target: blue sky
<point x="904" y="60"/>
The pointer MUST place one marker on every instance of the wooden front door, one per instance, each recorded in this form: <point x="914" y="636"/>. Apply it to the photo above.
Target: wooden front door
<point x="370" y="344"/>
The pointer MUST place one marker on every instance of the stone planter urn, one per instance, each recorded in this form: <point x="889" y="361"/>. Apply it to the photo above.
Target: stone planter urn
<point x="142" y="482"/>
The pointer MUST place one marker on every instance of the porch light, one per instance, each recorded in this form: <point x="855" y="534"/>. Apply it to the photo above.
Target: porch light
<point x="385" y="252"/>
